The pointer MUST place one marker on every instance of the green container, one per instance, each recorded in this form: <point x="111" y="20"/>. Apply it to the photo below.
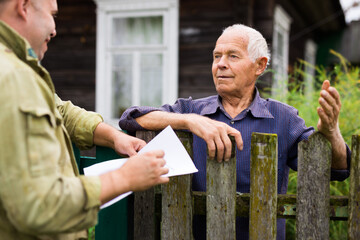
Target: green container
<point x="113" y="222"/>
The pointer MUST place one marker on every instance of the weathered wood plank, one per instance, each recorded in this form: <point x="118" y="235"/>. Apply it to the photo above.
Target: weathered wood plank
<point x="144" y="204"/>
<point x="176" y="222"/>
<point x="313" y="188"/>
<point x="221" y="198"/>
<point x="354" y="191"/>
<point x="177" y="202"/>
<point x="263" y="186"/>
<point x="286" y="205"/>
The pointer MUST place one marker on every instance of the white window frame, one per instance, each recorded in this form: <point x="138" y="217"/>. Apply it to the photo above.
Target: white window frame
<point x="282" y="22"/>
<point x="107" y="10"/>
<point x="310" y="58"/>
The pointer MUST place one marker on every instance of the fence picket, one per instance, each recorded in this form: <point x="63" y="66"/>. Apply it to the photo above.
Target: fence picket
<point x="177" y="202"/>
<point x="144" y="204"/>
<point x="354" y="191"/>
<point x="263" y="186"/>
<point x="221" y="198"/>
<point x="313" y="188"/>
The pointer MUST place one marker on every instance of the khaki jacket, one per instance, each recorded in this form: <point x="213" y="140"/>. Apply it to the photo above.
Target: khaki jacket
<point x="42" y="195"/>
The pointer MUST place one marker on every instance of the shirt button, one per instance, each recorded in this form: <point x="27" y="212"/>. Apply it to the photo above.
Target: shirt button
<point x="232" y="122"/>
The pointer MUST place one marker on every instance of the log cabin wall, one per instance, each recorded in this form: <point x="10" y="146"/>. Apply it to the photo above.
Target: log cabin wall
<point x="71" y="55"/>
<point x="263" y="22"/>
<point x="201" y="23"/>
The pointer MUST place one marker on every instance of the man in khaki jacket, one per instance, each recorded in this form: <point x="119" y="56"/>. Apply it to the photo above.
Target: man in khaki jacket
<point x="42" y="195"/>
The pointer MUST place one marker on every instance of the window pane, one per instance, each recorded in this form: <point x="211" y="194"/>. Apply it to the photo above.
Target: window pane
<point x="151" y="79"/>
<point x="137" y="31"/>
<point x="280" y="46"/>
<point x="121" y="83"/>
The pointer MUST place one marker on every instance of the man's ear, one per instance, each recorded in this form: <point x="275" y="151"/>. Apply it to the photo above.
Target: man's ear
<point x="261" y="65"/>
<point x="22" y="8"/>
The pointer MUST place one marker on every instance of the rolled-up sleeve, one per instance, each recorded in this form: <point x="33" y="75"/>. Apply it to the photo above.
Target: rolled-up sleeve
<point x="341" y="175"/>
<point x="127" y="120"/>
<point x="79" y="123"/>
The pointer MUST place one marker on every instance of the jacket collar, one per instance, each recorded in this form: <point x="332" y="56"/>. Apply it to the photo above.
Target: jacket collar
<point x="19" y="45"/>
<point x="22" y="49"/>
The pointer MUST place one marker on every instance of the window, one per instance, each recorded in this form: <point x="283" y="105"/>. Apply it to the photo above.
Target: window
<point x="310" y="58"/>
<point x="280" y="52"/>
<point x="137" y="54"/>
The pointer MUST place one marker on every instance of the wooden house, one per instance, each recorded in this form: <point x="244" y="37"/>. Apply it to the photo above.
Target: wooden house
<point x="112" y="54"/>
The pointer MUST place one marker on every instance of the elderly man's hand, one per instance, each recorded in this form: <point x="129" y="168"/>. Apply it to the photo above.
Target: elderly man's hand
<point x="328" y="111"/>
<point x="215" y="134"/>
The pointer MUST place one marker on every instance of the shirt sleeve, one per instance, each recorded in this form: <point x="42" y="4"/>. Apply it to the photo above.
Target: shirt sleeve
<point x="341" y="175"/>
<point x="79" y="123"/>
<point x="39" y="192"/>
<point x="299" y="132"/>
<point x="128" y="122"/>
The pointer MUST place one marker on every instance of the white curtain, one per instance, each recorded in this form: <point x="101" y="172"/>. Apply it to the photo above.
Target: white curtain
<point x="151" y="79"/>
<point x="130" y="34"/>
<point x="121" y="83"/>
<point x="137" y="31"/>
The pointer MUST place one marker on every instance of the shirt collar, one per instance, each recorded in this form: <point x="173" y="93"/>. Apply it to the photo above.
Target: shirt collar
<point x="257" y="108"/>
<point x="213" y="103"/>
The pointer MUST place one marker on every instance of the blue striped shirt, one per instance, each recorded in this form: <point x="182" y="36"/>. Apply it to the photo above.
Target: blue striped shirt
<point x="263" y="115"/>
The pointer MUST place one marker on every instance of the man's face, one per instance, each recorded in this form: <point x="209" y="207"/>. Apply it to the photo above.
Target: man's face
<point x="42" y="25"/>
<point x="234" y="73"/>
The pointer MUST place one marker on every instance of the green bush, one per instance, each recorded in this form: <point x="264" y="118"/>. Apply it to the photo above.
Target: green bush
<point x="345" y="78"/>
<point x="91" y="233"/>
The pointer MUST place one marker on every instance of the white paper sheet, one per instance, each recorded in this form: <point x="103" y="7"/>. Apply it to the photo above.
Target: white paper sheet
<point x="177" y="159"/>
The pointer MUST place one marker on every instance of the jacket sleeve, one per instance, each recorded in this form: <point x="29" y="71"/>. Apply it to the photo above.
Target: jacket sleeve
<point x="79" y="123"/>
<point x="39" y="192"/>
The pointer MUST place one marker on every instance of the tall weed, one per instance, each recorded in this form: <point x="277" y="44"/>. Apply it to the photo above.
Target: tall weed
<point x="345" y="78"/>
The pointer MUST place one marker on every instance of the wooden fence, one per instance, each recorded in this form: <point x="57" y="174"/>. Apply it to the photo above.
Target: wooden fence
<point x="166" y="212"/>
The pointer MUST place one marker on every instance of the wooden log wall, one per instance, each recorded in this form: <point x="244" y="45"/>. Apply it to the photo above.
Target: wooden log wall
<point x="71" y="57"/>
<point x="72" y="54"/>
<point x="201" y="23"/>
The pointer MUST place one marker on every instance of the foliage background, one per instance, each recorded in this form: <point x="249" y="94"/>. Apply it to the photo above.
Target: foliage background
<point x="345" y="78"/>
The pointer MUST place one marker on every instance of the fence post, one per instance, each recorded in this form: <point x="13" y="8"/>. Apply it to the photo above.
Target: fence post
<point x="263" y="186"/>
<point x="221" y="198"/>
<point x="313" y="188"/>
<point x="354" y="195"/>
<point x="144" y="204"/>
<point x="177" y="202"/>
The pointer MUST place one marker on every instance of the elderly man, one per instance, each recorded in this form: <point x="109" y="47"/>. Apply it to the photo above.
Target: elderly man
<point x="42" y="195"/>
<point x="239" y="58"/>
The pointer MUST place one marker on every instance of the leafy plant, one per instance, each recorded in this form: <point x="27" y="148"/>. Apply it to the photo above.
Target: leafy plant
<point x="91" y="233"/>
<point x="345" y="78"/>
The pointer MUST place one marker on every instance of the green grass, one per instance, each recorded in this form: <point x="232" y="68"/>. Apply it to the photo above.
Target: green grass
<point x="345" y="78"/>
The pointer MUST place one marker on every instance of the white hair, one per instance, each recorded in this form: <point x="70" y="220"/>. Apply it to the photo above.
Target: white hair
<point x="257" y="45"/>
